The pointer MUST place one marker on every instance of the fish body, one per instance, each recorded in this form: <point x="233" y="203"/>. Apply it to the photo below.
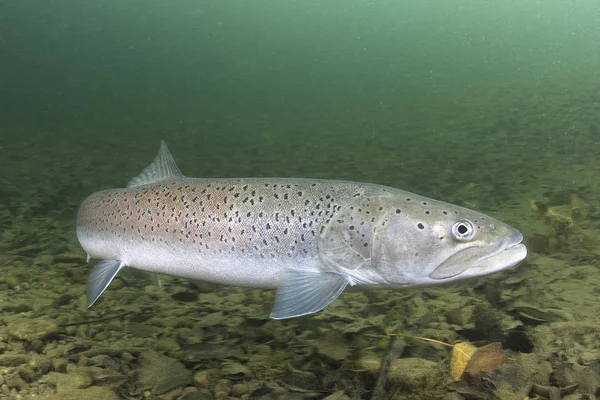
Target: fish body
<point x="307" y="238"/>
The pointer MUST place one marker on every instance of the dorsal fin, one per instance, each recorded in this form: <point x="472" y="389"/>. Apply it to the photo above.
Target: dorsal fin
<point x="163" y="167"/>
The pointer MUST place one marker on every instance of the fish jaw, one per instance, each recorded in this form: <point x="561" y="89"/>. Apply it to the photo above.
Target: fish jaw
<point x="483" y="257"/>
<point x="507" y="255"/>
<point x="427" y="242"/>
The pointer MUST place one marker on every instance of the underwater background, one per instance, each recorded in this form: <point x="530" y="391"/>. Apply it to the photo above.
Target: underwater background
<point x="490" y="105"/>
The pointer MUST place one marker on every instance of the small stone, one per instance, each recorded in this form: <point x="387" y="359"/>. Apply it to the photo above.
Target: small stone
<point x="62" y="300"/>
<point x="42" y="364"/>
<point x="200" y="394"/>
<point x="223" y="387"/>
<point x="239" y="389"/>
<point x="206" y="379"/>
<point x="411" y="374"/>
<point x="76" y="258"/>
<point x="31" y="329"/>
<point x="13" y="360"/>
<point x="37" y="346"/>
<point x="168" y="345"/>
<point x="14" y="381"/>
<point x="94" y="392"/>
<point x="339" y="395"/>
<point x="589" y="357"/>
<point x="302" y="379"/>
<point x="455" y="317"/>
<point x="43" y="259"/>
<point x="79" y="378"/>
<point x="26" y="374"/>
<point x="235" y="370"/>
<point x="60" y="365"/>
<point x="162" y="373"/>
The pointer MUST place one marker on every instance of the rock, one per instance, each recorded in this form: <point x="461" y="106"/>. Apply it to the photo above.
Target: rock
<point x="79" y="378"/>
<point x="331" y="347"/>
<point x="239" y="389"/>
<point x="212" y="319"/>
<point x="37" y="346"/>
<point x="168" y="345"/>
<point x="42" y="364"/>
<point x="26" y="374"/>
<point x="161" y="373"/>
<point x="223" y="388"/>
<point x="513" y="380"/>
<point x="14" y="381"/>
<point x="235" y="370"/>
<point x="411" y="374"/>
<point x="186" y="297"/>
<point x="302" y="379"/>
<point x="488" y="323"/>
<point x="207" y="379"/>
<point x="76" y="258"/>
<point x="339" y="395"/>
<point x="141" y="330"/>
<point x="200" y="394"/>
<point x="94" y="392"/>
<point x="60" y="364"/>
<point x="588" y="382"/>
<point x="13" y="359"/>
<point x="31" y="329"/>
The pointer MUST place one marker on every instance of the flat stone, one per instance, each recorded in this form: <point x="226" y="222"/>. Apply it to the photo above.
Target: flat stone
<point x="77" y="258"/>
<point x="94" y="392"/>
<point x="411" y="373"/>
<point x="161" y="373"/>
<point x="13" y="359"/>
<point x="79" y="378"/>
<point x="201" y="394"/>
<point x="30" y="329"/>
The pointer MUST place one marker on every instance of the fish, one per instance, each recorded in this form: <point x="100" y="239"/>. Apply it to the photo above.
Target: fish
<point x="308" y="239"/>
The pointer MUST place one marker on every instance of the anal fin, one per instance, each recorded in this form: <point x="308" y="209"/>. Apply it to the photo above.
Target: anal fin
<point x="305" y="292"/>
<point x="101" y="276"/>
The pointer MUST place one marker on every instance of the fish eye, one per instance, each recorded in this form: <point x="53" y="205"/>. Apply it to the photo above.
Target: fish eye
<point x="463" y="230"/>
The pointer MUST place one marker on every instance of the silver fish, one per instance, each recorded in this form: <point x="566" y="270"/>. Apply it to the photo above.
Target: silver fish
<point x="308" y="238"/>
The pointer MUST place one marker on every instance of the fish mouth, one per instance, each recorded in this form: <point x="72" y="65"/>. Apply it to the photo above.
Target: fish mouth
<point x="459" y="265"/>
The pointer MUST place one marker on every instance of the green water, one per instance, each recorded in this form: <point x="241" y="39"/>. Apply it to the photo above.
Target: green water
<point x="485" y="104"/>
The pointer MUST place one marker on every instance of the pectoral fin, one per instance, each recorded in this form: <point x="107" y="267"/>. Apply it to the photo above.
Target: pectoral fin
<point x="101" y="276"/>
<point x="304" y="292"/>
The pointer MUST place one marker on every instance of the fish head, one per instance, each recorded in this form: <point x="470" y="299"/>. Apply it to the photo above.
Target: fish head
<point x="421" y="242"/>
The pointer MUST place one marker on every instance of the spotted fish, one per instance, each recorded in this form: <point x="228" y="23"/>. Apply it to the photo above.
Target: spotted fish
<point x="307" y="238"/>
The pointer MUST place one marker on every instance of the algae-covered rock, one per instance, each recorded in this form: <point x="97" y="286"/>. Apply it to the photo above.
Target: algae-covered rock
<point x="207" y="379"/>
<point x="161" y="373"/>
<point x="13" y="359"/>
<point x="301" y="379"/>
<point x="413" y="374"/>
<point x="30" y="329"/>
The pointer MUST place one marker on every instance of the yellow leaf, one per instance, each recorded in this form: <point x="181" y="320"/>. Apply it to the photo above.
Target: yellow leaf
<point x="461" y="354"/>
